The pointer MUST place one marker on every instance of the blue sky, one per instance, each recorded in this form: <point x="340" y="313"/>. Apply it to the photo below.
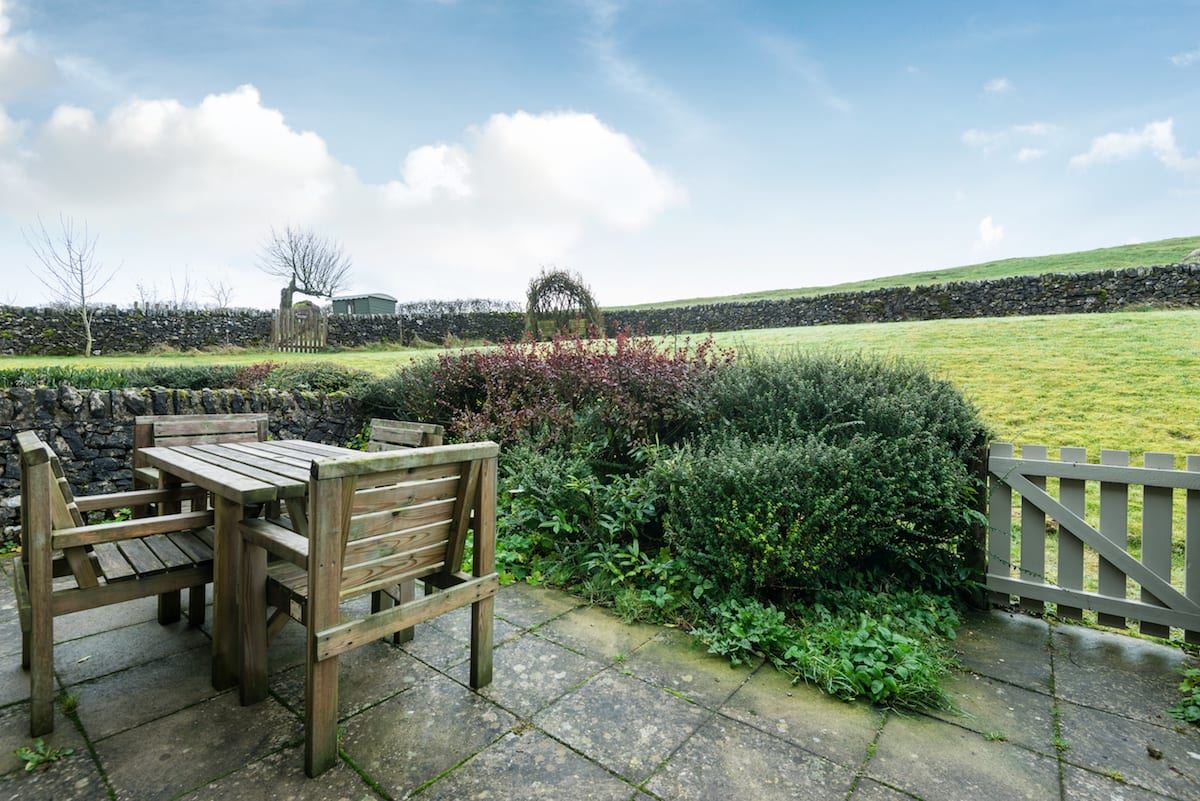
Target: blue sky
<point x="663" y="149"/>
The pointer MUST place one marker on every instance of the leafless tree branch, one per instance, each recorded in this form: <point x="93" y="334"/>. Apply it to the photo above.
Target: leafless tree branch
<point x="313" y="265"/>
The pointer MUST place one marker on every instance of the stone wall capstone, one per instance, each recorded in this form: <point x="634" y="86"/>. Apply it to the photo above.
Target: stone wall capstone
<point x="92" y="430"/>
<point x="58" y="331"/>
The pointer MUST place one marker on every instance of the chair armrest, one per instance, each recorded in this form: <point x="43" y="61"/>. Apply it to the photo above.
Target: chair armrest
<point x="117" y="500"/>
<point x="280" y="541"/>
<point x="129" y="529"/>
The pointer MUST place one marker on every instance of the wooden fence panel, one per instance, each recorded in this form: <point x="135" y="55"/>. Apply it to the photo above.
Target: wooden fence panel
<point x="1114" y="524"/>
<point x="999" y="546"/>
<point x="1162" y="604"/>
<point x="300" y="330"/>
<point x="1191" y="570"/>
<point x="1033" y="535"/>
<point x="1073" y="494"/>
<point x="1156" y="534"/>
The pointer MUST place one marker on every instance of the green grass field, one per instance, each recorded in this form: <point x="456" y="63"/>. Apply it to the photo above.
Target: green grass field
<point x="1164" y="251"/>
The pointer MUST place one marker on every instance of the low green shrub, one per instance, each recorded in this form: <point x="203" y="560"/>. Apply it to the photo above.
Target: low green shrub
<point x="888" y="648"/>
<point x="316" y="377"/>
<point x="776" y="519"/>
<point x="1188" y="706"/>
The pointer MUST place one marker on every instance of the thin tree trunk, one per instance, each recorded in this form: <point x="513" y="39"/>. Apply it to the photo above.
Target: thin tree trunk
<point x="87" y="331"/>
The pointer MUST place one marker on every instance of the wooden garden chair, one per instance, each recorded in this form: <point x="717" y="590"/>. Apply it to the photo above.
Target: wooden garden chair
<point x="391" y="435"/>
<point x="153" y="430"/>
<point x="374" y="521"/>
<point x="394" y="435"/>
<point x="109" y="562"/>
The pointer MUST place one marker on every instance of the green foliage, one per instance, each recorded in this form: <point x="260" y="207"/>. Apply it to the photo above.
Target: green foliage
<point x="316" y="377"/>
<point x="40" y="755"/>
<point x="889" y="648"/>
<point x="1188" y="707"/>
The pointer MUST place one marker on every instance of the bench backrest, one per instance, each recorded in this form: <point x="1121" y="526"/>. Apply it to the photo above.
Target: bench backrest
<point x="390" y="517"/>
<point x="391" y="435"/>
<point x="153" y="430"/>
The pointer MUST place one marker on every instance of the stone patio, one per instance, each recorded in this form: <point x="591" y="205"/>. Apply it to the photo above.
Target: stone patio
<point x="584" y="707"/>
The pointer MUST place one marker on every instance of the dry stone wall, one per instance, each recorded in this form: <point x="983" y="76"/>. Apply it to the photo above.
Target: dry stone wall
<point x="92" y="430"/>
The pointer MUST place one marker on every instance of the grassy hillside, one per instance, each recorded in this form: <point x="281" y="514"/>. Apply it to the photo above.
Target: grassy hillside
<point x="1164" y="251"/>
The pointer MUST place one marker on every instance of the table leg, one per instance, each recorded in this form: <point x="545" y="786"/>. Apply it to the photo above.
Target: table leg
<point x="226" y="554"/>
<point x="168" y="602"/>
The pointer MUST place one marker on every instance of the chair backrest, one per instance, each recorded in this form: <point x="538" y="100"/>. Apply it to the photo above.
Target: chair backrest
<point x="399" y="515"/>
<point x="195" y="429"/>
<point x="63" y="510"/>
<point x="392" y="435"/>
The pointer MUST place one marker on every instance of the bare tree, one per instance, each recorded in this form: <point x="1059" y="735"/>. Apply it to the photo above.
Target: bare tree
<point x="69" y="269"/>
<point x="220" y="294"/>
<point x="312" y="264"/>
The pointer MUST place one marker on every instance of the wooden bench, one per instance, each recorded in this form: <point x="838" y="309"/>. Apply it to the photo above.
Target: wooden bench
<point x="375" y="522"/>
<point x="391" y="435"/>
<point x="189" y="429"/>
<point x="108" y="562"/>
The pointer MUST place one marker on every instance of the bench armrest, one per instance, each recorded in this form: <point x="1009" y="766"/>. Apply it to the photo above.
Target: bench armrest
<point x="277" y="540"/>
<point x="129" y="529"/>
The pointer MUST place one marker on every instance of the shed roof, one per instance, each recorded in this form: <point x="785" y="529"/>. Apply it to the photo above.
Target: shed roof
<point x="379" y="295"/>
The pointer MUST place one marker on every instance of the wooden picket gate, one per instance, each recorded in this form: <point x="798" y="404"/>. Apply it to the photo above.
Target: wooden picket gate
<point x="299" y="330"/>
<point x="1162" y="605"/>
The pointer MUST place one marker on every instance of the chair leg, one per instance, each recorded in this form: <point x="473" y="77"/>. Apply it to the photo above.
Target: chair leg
<point x="481" y="642"/>
<point x="320" y="715"/>
<point x="196" y="604"/>
<point x="168" y="607"/>
<point x="408" y="592"/>
<point x="252" y="613"/>
<point x="25" y="650"/>
<point x="41" y="679"/>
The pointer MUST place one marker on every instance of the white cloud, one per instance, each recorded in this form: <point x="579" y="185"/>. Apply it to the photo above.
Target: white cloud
<point x="1156" y="138"/>
<point x="989" y="232"/>
<point x="22" y="69"/>
<point x="1026" y="154"/>
<point x="167" y="184"/>
<point x="1186" y="58"/>
<point x="998" y="86"/>
<point x="989" y="141"/>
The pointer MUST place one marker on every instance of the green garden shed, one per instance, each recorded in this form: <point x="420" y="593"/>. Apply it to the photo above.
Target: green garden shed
<point x="375" y="303"/>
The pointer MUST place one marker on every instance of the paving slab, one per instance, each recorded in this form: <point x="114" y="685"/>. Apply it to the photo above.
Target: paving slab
<point x="280" y="777"/>
<point x="106" y="618"/>
<point x="940" y="762"/>
<point x="529" y="673"/>
<point x="366" y="676"/>
<point x="457" y="623"/>
<point x="1000" y="710"/>
<point x="194" y="746"/>
<point x="128" y="698"/>
<point x="1083" y="785"/>
<point x="10" y="627"/>
<point x="727" y="759"/>
<point x="421" y="733"/>
<point x="677" y="661"/>
<point x="1006" y="646"/>
<point x="73" y="778"/>
<point x="109" y="651"/>
<point x="532" y="767"/>
<point x="1090" y="665"/>
<point x="526" y="606"/>
<point x="1105" y="742"/>
<point x="14" y="680"/>
<point x="871" y="790"/>
<point x="623" y="723"/>
<point x="803" y="715"/>
<point x="14" y="733"/>
<point x="597" y="633"/>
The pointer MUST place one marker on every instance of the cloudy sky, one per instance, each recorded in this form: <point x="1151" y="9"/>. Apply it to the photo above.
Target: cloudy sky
<point x="662" y="148"/>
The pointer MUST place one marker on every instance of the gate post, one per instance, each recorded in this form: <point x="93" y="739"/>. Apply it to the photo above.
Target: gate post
<point x="973" y="546"/>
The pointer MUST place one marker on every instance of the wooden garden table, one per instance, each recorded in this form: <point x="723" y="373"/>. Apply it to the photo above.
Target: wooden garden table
<point x="242" y="477"/>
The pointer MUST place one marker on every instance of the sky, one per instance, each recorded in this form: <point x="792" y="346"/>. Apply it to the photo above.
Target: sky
<point x="662" y="149"/>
